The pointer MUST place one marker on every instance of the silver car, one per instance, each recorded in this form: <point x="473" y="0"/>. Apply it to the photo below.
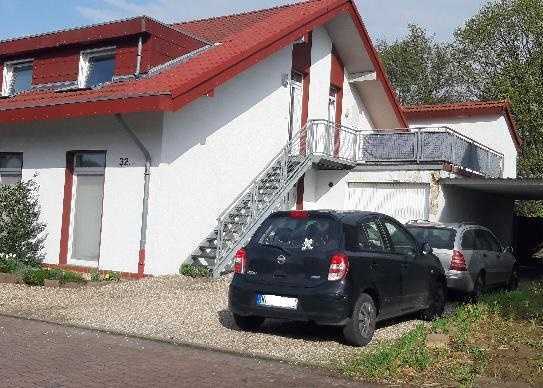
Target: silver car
<point x="471" y="255"/>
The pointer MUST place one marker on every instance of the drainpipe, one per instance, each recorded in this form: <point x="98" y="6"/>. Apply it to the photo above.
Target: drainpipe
<point x="147" y="177"/>
<point x="138" y="57"/>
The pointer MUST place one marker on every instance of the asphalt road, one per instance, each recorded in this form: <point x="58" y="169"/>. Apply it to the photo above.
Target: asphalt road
<point x="38" y="354"/>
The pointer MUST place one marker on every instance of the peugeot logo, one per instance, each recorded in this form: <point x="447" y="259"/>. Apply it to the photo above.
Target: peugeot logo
<point x="281" y="259"/>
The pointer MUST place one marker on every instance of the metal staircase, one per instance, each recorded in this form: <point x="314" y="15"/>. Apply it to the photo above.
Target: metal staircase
<point x="319" y="143"/>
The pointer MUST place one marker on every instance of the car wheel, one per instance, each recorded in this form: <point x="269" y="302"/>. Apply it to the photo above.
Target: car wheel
<point x="478" y="287"/>
<point x="248" y="323"/>
<point x="512" y="284"/>
<point x="437" y="300"/>
<point x="359" y="330"/>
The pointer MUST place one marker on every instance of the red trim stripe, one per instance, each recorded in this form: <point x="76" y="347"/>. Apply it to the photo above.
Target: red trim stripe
<point x="66" y="208"/>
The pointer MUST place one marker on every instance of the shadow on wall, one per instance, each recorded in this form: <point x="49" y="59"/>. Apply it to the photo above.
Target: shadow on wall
<point x="493" y="211"/>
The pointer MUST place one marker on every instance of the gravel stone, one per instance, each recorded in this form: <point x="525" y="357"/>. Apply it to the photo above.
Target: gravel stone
<point x="183" y="310"/>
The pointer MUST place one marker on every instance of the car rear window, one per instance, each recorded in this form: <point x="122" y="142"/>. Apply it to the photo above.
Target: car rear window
<point x="299" y="233"/>
<point x="439" y="238"/>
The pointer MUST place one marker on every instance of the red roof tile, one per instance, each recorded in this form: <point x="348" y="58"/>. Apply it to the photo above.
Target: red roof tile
<point x="244" y="40"/>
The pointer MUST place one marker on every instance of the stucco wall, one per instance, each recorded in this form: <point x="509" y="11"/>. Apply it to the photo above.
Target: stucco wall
<point x="212" y="149"/>
<point x="491" y="131"/>
<point x="44" y="146"/>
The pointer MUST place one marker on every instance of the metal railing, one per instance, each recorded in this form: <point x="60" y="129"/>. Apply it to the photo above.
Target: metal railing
<point x="428" y="144"/>
<point x="321" y="140"/>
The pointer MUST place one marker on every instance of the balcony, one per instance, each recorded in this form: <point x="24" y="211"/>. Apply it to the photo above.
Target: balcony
<point x="432" y="145"/>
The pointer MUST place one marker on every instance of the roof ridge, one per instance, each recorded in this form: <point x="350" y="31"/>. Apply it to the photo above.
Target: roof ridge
<point x="456" y="104"/>
<point x="245" y="12"/>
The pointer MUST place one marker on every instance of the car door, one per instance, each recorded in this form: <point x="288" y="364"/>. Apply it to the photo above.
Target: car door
<point x="372" y="262"/>
<point x="415" y="272"/>
<point x="504" y="261"/>
<point x="488" y="257"/>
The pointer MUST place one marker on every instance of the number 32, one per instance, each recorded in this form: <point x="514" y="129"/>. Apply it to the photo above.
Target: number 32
<point x="123" y="162"/>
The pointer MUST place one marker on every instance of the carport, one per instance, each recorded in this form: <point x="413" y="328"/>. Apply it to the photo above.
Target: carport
<point x="489" y="202"/>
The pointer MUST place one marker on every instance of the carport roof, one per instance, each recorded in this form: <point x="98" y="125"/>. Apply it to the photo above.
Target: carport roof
<point x="517" y="188"/>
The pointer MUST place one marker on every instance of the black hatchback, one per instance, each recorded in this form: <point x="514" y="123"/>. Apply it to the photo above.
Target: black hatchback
<point x="348" y="269"/>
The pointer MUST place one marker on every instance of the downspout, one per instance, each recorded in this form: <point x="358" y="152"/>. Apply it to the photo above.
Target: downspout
<point x="147" y="177"/>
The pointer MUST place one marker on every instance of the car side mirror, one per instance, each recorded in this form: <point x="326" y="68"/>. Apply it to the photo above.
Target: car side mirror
<point x="427" y="249"/>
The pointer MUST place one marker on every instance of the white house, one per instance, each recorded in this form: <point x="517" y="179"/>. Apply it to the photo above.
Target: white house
<point x="158" y="144"/>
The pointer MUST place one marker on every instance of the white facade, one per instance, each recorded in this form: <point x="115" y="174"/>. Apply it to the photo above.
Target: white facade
<point x="491" y="131"/>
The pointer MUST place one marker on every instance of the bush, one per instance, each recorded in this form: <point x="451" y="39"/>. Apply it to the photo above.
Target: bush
<point x="9" y="264"/>
<point x="21" y="232"/>
<point x="194" y="271"/>
<point x="33" y="276"/>
<point x="112" y="276"/>
<point x="95" y="275"/>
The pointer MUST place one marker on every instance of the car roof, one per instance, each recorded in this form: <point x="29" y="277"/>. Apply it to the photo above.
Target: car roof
<point x="345" y="216"/>
<point x="449" y="225"/>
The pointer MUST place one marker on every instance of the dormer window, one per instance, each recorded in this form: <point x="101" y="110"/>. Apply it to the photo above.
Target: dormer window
<point x="17" y="77"/>
<point x="11" y="167"/>
<point x="96" y="67"/>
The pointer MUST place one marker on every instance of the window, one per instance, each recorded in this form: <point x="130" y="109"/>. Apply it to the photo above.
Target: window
<point x="485" y="241"/>
<point x="439" y="238"/>
<point x="403" y="242"/>
<point x="96" y="67"/>
<point x="17" y="77"/>
<point x="11" y="167"/>
<point x="332" y="103"/>
<point x="468" y="240"/>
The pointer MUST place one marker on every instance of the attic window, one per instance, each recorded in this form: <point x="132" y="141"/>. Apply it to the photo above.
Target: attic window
<point x="17" y="77"/>
<point x="96" y="67"/>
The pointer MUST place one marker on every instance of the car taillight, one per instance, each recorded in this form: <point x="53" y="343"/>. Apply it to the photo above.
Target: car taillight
<point x="240" y="261"/>
<point x="458" y="261"/>
<point x="339" y="267"/>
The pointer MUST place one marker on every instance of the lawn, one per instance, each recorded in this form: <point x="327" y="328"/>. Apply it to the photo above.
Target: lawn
<point x="498" y="340"/>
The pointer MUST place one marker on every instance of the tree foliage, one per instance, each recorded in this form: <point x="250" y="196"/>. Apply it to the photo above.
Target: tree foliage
<point x="21" y="232"/>
<point x="420" y="68"/>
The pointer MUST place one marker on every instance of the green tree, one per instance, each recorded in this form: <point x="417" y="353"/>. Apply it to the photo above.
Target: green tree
<point x="420" y="68"/>
<point x="499" y="53"/>
<point x="21" y="232"/>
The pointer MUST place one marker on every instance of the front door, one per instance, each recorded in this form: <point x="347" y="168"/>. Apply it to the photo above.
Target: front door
<point x="89" y="194"/>
<point x="296" y="93"/>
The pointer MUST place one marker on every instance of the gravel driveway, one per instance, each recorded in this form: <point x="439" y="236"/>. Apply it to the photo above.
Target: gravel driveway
<point x="180" y="310"/>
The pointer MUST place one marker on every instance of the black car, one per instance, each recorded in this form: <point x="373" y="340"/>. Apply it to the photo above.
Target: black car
<point x="346" y="269"/>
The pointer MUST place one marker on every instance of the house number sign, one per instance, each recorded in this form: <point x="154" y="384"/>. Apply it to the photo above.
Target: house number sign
<point x="124" y="162"/>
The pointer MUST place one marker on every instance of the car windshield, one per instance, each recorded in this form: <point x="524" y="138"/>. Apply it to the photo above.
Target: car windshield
<point x="439" y="238"/>
<point x="300" y="234"/>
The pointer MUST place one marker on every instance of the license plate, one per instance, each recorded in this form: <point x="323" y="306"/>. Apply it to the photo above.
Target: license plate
<point x="276" y="301"/>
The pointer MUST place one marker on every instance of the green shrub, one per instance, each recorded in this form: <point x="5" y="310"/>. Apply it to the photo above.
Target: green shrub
<point x="112" y="276"/>
<point x="71" y="277"/>
<point x="35" y="276"/>
<point x="9" y="265"/>
<point x="95" y="275"/>
<point x="21" y="232"/>
<point x="194" y="271"/>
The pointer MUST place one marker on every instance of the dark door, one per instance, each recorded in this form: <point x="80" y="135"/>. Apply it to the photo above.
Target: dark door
<point x="373" y="264"/>
<point x="414" y="271"/>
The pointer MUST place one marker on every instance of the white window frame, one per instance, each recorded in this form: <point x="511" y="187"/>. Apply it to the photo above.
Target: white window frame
<point x="84" y="62"/>
<point x="7" y="76"/>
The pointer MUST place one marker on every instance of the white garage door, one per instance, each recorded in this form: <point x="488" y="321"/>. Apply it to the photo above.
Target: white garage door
<point x="403" y="201"/>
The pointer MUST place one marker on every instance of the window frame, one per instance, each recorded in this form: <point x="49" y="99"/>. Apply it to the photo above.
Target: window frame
<point x="85" y="57"/>
<point x="8" y="87"/>
<point x="417" y="246"/>
<point x="12" y="172"/>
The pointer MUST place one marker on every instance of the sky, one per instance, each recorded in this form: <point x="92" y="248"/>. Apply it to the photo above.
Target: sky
<point x="385" y="19"/>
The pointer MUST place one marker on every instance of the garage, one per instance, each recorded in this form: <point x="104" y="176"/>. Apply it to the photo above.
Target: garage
<point x="403" y="201"/>
<point x="490" y="202"/>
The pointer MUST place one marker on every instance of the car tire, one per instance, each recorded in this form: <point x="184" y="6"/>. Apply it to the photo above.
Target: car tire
<point x="248" y="323"/>
<point x="438" y="299"/>
<point x="512" y="283"/>
<point x="478" y="287"/>
<point x="359" y="330"/>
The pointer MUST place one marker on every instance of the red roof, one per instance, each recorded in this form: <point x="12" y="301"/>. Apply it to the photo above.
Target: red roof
<point x="244" y="40"/>
<point x="463" y="109"/>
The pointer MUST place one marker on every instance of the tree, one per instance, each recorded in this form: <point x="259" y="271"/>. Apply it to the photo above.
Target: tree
<point x="21" y="232"/>
<point x="500" y="56"/>
<point x="420" y="68"/>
